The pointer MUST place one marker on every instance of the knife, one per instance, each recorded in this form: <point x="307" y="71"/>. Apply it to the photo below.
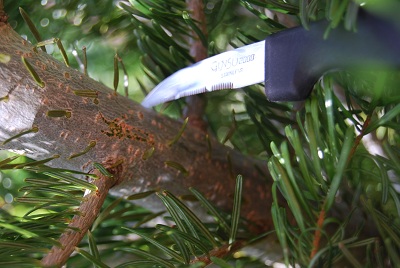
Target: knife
<point x="289" y="62"/>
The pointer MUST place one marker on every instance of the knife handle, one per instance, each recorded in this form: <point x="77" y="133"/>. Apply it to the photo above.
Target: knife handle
<point x="296" y="58"/>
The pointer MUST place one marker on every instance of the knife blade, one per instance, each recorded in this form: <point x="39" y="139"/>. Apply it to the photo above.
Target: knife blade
<point x="289" y="62"/>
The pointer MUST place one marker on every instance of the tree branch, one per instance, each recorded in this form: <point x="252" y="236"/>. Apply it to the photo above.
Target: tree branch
<point x="78" y="227"/>
<point x="85" y="122"/>
<point x="196" y="104"/>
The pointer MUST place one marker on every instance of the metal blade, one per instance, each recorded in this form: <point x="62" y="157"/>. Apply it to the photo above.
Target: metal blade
<point x="232" y="69"/>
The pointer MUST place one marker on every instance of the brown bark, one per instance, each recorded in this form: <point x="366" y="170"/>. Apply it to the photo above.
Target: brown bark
<point x="196" y="104"/>
<point x="80" y="224"/>
<point x="114" y="129"/>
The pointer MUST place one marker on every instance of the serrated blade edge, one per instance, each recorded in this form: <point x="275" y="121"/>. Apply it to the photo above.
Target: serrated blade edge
<point x="229" y="70"/>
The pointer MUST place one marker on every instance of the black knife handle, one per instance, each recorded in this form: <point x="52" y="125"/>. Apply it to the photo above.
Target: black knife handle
<point x="296" y="58"/>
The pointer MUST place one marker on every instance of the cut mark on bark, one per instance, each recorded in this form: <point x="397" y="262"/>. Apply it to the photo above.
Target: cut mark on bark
<point x="34" y="129"/>
<point x="32" y="72"/>
<point x="87" y="149"/>
<point x="59" y="113"/>
<point x="120" y="129"/>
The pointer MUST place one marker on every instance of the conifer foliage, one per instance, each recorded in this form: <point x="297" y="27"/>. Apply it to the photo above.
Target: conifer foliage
<point x="334" y="158"/>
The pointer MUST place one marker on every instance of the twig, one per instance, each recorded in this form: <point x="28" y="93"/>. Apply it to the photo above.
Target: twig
<point x="196" y="104"/>
<point x="322" y="213"/>
<point x="80" y="223"/>
<point x="359" y="137"/>
<point x="220" y="252"/>
<point x="317" y="233"/>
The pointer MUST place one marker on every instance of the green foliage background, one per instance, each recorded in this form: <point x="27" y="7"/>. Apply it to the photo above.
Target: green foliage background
<point x="313" y="149"/>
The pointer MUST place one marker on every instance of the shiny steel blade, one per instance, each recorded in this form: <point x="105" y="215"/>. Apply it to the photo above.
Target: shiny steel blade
<point x="232" y="69"/>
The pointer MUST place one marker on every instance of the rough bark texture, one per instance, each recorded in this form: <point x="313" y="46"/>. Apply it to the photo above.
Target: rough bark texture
<point x="80" y="224"/>
<point x="122" y="131"/>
